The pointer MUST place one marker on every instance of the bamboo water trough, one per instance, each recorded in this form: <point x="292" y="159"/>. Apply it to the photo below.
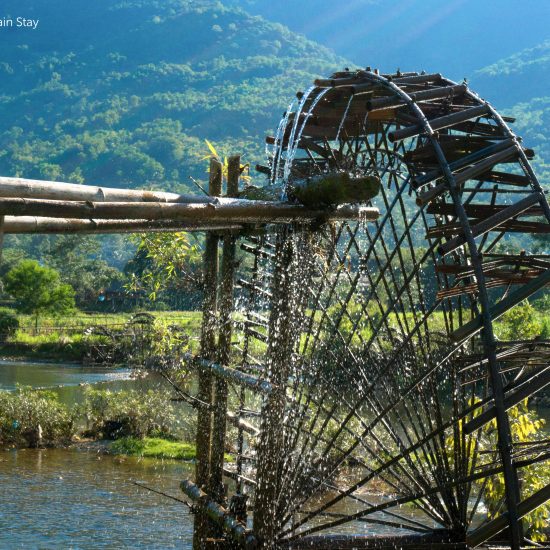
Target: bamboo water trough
<point x="372" y="400"/>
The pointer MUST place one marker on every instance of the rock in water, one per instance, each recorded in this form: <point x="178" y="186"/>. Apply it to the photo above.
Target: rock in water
<point x="337" y="188"/>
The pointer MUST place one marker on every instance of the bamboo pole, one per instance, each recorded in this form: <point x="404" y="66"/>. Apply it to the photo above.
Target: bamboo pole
<point x="424" y="95"/>
<point x="440" y="122"/>
<point x="208" y="349"/>
<point x="231" y="375"/>
<point x="56" y="190"/>
<point x="236" y="529"/>
<point x="217" y="490"/>
<point x="235" y="211"/>
<point x="38" y="224"/>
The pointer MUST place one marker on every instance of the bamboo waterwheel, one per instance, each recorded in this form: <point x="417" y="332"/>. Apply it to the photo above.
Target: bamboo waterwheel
<point x="390" y="400"/>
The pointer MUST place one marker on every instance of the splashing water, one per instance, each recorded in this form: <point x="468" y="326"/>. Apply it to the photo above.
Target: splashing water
<point x="292" y="135"/>
<point x="344" y="117"/>
<point x="275" y="152"/>
<point x="295" y="140"/>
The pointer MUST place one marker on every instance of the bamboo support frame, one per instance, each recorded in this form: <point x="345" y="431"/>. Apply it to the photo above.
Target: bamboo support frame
<point x="55" y="190"/>
<point x="14" y="225"/>
<point x="224" y="342"/>
<point x="231" y="375"/>
<point x="220" y="516"/>
<point x="233" y="211"/>
<point x="208" y="351"/>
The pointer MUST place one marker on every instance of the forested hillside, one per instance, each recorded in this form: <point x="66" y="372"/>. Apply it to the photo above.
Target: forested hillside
<point x="125" y="93"/>
<point x="455" y="37"/>
<point x="519" y="86"/>
<point x="519" y="77"/>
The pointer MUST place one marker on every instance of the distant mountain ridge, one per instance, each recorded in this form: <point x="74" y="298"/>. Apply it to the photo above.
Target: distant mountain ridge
<point x="453" y="37"/>
<point x="519" y="85"/>
<point x="519" y="77"/>
<point x="125" y="93"/>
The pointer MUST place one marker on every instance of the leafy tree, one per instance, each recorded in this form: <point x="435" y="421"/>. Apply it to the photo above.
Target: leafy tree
<point x="519" y="323"/>
<point x="38" y="290"/>
<point x="525" y="426"/>
<point x="165" y="263"/>
<point x="76" y="257"/>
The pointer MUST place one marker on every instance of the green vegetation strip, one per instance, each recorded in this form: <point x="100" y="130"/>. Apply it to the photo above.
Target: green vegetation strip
<point x="153" y="447"/>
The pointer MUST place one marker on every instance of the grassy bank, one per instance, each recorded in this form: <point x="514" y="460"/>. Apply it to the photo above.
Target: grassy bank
<point x="68" y="338"/>
<point x="79" y="320"/>
<point x="153" y="447"/>
<point x="37" y="418"/>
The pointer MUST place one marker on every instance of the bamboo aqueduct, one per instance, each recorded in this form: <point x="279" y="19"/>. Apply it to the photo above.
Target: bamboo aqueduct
<point x="348" y="356"/>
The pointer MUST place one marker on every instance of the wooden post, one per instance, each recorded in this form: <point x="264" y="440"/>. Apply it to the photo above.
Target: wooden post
<point x="208" y="350"/>
<point x="224" y="520"/>
<point x="217" y="491"/>
<point x="281" y="342"/>
<point x="2" y="219"/>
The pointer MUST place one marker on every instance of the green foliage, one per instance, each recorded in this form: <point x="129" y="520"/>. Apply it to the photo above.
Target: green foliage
<point x="76" y="258"/>
<point x="38" y="290"/>
<point x="165" y="262"/>
<point x="131" y="103"/>
<point x="154" y="447"/>
<point x="480" y="448"/>
<point x="127" y="413"/>
<point x="520" y="323"/>
<point x="213" y="154"/>
<point x="525" y="426"/>
<point x="8" y="323"/>
<point x="23" y="411"/>
<point x="521" y="75"/>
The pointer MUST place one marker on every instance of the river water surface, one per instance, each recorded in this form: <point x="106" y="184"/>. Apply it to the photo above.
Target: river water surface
<point x="58" y="498"/>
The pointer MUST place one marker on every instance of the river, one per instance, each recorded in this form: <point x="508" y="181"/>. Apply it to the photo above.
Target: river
<point x="69" y="498"/>
<point x="57" y="498"/>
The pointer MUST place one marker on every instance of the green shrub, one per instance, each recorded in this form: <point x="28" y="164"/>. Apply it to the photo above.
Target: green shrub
<point x="127" y="413"/>
<point x="526" y="426"/>
<point x="519" y="323"/>
<point x="23" y="411"/>
<point x="8" y="323"/>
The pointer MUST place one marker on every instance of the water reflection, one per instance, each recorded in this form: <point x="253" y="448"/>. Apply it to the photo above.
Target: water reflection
<point x="69" y="380"/>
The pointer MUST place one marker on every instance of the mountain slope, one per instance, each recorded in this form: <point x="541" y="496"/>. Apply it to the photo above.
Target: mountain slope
<point x="519" y="77"/>
<point x="126" y="93"/>
<point x="518" y="85"/>
<point x="454" y="37"/>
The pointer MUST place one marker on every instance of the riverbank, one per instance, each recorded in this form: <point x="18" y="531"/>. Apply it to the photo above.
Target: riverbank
<point x="148" y="447"/>
<point x="146" y="419"/>
<point x="44" y="352"/>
